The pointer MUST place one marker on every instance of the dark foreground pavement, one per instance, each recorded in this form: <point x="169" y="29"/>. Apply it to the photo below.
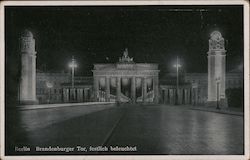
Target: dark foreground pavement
<point x="150" y="129"/>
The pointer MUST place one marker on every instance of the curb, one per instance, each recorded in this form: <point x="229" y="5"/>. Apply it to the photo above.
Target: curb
<point x="219" y="111"/>
<point x="51" y="106"/>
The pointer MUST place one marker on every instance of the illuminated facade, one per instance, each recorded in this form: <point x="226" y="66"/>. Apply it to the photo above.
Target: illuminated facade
<point x="216" y="70"/>
<point x="27" y="87"/>
<point x="126" y="81"/>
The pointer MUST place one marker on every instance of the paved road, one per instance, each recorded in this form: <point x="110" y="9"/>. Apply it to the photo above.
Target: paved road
<point x="151" y="129"/>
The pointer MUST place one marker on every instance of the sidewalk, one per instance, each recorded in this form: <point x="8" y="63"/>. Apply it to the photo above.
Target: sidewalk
<point x="32" y="117"/>
<point x="232" y="111"/>
<point x="48" y="106"/>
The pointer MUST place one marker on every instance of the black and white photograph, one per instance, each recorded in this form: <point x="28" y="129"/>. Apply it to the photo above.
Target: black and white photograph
<point x="125" y="80"/>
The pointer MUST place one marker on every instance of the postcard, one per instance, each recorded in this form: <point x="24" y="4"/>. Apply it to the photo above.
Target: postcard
<point x="124" y="80"/>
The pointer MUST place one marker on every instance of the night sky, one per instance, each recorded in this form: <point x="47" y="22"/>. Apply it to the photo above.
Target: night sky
<point x="153" y="34"/>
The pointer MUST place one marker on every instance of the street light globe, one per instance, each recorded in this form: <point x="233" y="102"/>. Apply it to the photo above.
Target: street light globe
<point x="72" y="65"/>
<point x="177" y="65"/>
<point x="49" y="84"/>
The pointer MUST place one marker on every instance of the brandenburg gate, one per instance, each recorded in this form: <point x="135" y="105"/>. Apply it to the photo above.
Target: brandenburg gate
<point x="126" y="81"/>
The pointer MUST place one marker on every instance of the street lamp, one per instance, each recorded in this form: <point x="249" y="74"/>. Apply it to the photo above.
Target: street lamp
<point x="177" y="65"/>
<point x="49" y="86"/>
<point x="72" y="65"/>
<point x="218" y="91"/>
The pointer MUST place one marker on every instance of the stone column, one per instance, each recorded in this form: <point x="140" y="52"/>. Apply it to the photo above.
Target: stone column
<point x="96" y="88"/>
<point x="75" y="94"/>
<point x="166" y="96"/>
<point x="190" y="95"/>
<point x="71" y="94"/>
<point x="174" y="96"/>
<point x="78" y="98"/>
<point x="171" y="96"/>
<point x="118" y="89"/>
<point x="133" y="90"/>
<point x="67" y="95"/>
<point x="180" y="94"/>
<point x="28" y="69"/>
<point x="85" y="94"/>
<point x="79" y="95"/>
<point x="107" y="89"/>
<point x="162" y="95"/>
<point x="194" y="96"/>
<point x="186" y="96"/>
<point x="156" y="89"/>
<point x="64" y="95"/>
<point x="144" y="89"/>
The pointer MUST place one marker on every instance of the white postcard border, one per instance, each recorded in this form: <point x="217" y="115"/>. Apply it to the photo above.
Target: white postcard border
<point x="104" y="3"/>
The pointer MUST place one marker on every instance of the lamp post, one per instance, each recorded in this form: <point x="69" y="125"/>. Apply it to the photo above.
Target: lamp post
<point x="177" y="65"/>
<point x="72" y="65"/>
<point x="218" y="92"/>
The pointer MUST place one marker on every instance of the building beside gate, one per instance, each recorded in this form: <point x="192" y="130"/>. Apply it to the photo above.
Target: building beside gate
<point x="81" y="92"/>
<point x="49" y="86"/>
<point x="192" y="89"/>
<point x="55" y="87"/>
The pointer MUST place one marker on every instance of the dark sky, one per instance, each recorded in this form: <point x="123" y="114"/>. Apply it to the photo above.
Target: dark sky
<point x="154" y="34"/>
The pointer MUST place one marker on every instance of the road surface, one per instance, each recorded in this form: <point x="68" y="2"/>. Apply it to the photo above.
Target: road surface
<point x="151" y="129"/>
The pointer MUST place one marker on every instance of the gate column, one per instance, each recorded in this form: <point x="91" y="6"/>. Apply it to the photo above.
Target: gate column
<point x="118" y="88"/>
<point x="133" y="91"/>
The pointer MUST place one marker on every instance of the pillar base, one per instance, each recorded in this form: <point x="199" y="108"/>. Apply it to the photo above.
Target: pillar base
<point x="156" y="100"/>
<point x="222" y="103"/>
<point x="28" y="102"/>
